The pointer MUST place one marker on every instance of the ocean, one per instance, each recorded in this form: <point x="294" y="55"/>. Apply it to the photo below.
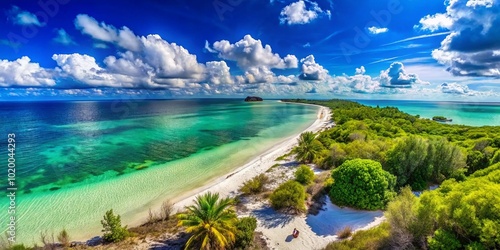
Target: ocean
<point x="76" y="160"/>
<point x="465" y="113"/>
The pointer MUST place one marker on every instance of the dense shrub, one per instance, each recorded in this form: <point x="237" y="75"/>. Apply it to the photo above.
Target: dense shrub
<point x="368" y="133"/>
<point x="443" y="240"/>
<point x="255" y="185"/>
<point x="112" y="228"/>
<point x="410" y="224"/>
<point x="416" y="161"/>
<point x="304" y="175"/>
<point x="456" y="215"/>
<point x="476" y="160"/>
<point x="245" y="230"/>
<point x="290" y="196"/>
<point x="362" y="184"/>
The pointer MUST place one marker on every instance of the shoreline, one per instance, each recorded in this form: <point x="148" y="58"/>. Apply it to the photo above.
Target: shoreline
<point x="229" y="184"/>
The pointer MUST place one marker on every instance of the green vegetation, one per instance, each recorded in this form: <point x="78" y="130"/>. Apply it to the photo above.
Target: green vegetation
<point x="255" y="185"/>
<point x="283" y="157"/>
<point x="416" y="161"/>
<point x="309" y="148"/>
<point x="408" y="228"/>
<point x="112" y="228"/>
<point x="18" y="247"/>
<point x="289" y="196"/>
<point x="63" y="238"/>
<point x="456" y="215"/>
<point x="244" y="236"/>
<point x="371" y="239"/>
<point x="387" y="135"/>
<point x="461" y="214"/>
<point x="304" y="175"/>
<point x="362" y="184"/>
<point x="211" y="221"/>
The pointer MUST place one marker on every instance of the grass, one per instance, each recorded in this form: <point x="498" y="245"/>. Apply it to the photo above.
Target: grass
<point x="371" y="239"/>
<point x="272" y="167"/>
<point x="255" y="185"/>
<point x="284" y="157"/>
<point x="345" y="233"/>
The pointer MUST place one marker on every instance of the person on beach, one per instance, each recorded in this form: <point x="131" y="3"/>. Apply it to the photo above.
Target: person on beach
<point x="295" y="233"/>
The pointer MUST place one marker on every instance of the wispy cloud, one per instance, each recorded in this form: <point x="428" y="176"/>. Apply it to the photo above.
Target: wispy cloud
<point x="418" y="37"/>
<point x="63" y="38"/>
<point x="384" y="60"/>
<point x="23" y="18"/>
<point x="376" y="30"/>
<point x="329" y="37"/>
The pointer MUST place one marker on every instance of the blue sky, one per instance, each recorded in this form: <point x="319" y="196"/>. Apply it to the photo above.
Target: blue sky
<point x="394" y="49"/>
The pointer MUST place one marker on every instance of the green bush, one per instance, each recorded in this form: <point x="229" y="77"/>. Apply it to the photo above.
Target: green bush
<point x="443" y="240"/>
<point x="475" y="246"/>
<point x="371" y="239"/>
<point x="289" y="195"/>
<point x="255" y="185"/>
<point x="112" y="228"/>
<point x="362" y="184"/>
<point x="244" y="236"/>
<point x="304" y="175"/>
<point x="416" y="161"/>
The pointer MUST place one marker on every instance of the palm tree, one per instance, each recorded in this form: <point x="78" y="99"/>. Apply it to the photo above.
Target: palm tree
<point x="309" y="148"/>
<point x="211" y="221"/>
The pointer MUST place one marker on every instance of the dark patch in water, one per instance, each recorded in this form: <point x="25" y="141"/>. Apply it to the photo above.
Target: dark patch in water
<point x="54" y="188"/>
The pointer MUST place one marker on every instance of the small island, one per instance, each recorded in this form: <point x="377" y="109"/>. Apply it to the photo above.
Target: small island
<point x="441" y="119"/>
<point x="253" y="99"/>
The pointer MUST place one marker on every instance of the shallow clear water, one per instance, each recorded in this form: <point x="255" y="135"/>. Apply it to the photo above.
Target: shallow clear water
<point x="466" y="113"/>
<point x="75" y="160"/>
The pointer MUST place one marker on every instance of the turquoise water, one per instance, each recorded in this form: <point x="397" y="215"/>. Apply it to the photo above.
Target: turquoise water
<point x="466" y="113"/>
<point x="76" y="160"/>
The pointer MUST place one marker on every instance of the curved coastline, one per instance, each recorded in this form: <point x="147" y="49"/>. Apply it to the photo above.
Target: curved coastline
<point x="228" y="184"/>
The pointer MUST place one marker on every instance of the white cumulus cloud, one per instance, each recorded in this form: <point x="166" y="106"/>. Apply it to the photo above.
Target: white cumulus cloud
<point x="84" y="68"/>
<point x="298" y="13"/>
<point x="436" y="22"/>
<point x="469" y="50"/>
<point x="397" y="77"/>
<point x="312" y="70"/>
<point x="455" y="88"/>
<point x="149" y="60"/>
<point x="250" y="53"/>
<point x="218" y="73"/>
<point x="22" y="72"/>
